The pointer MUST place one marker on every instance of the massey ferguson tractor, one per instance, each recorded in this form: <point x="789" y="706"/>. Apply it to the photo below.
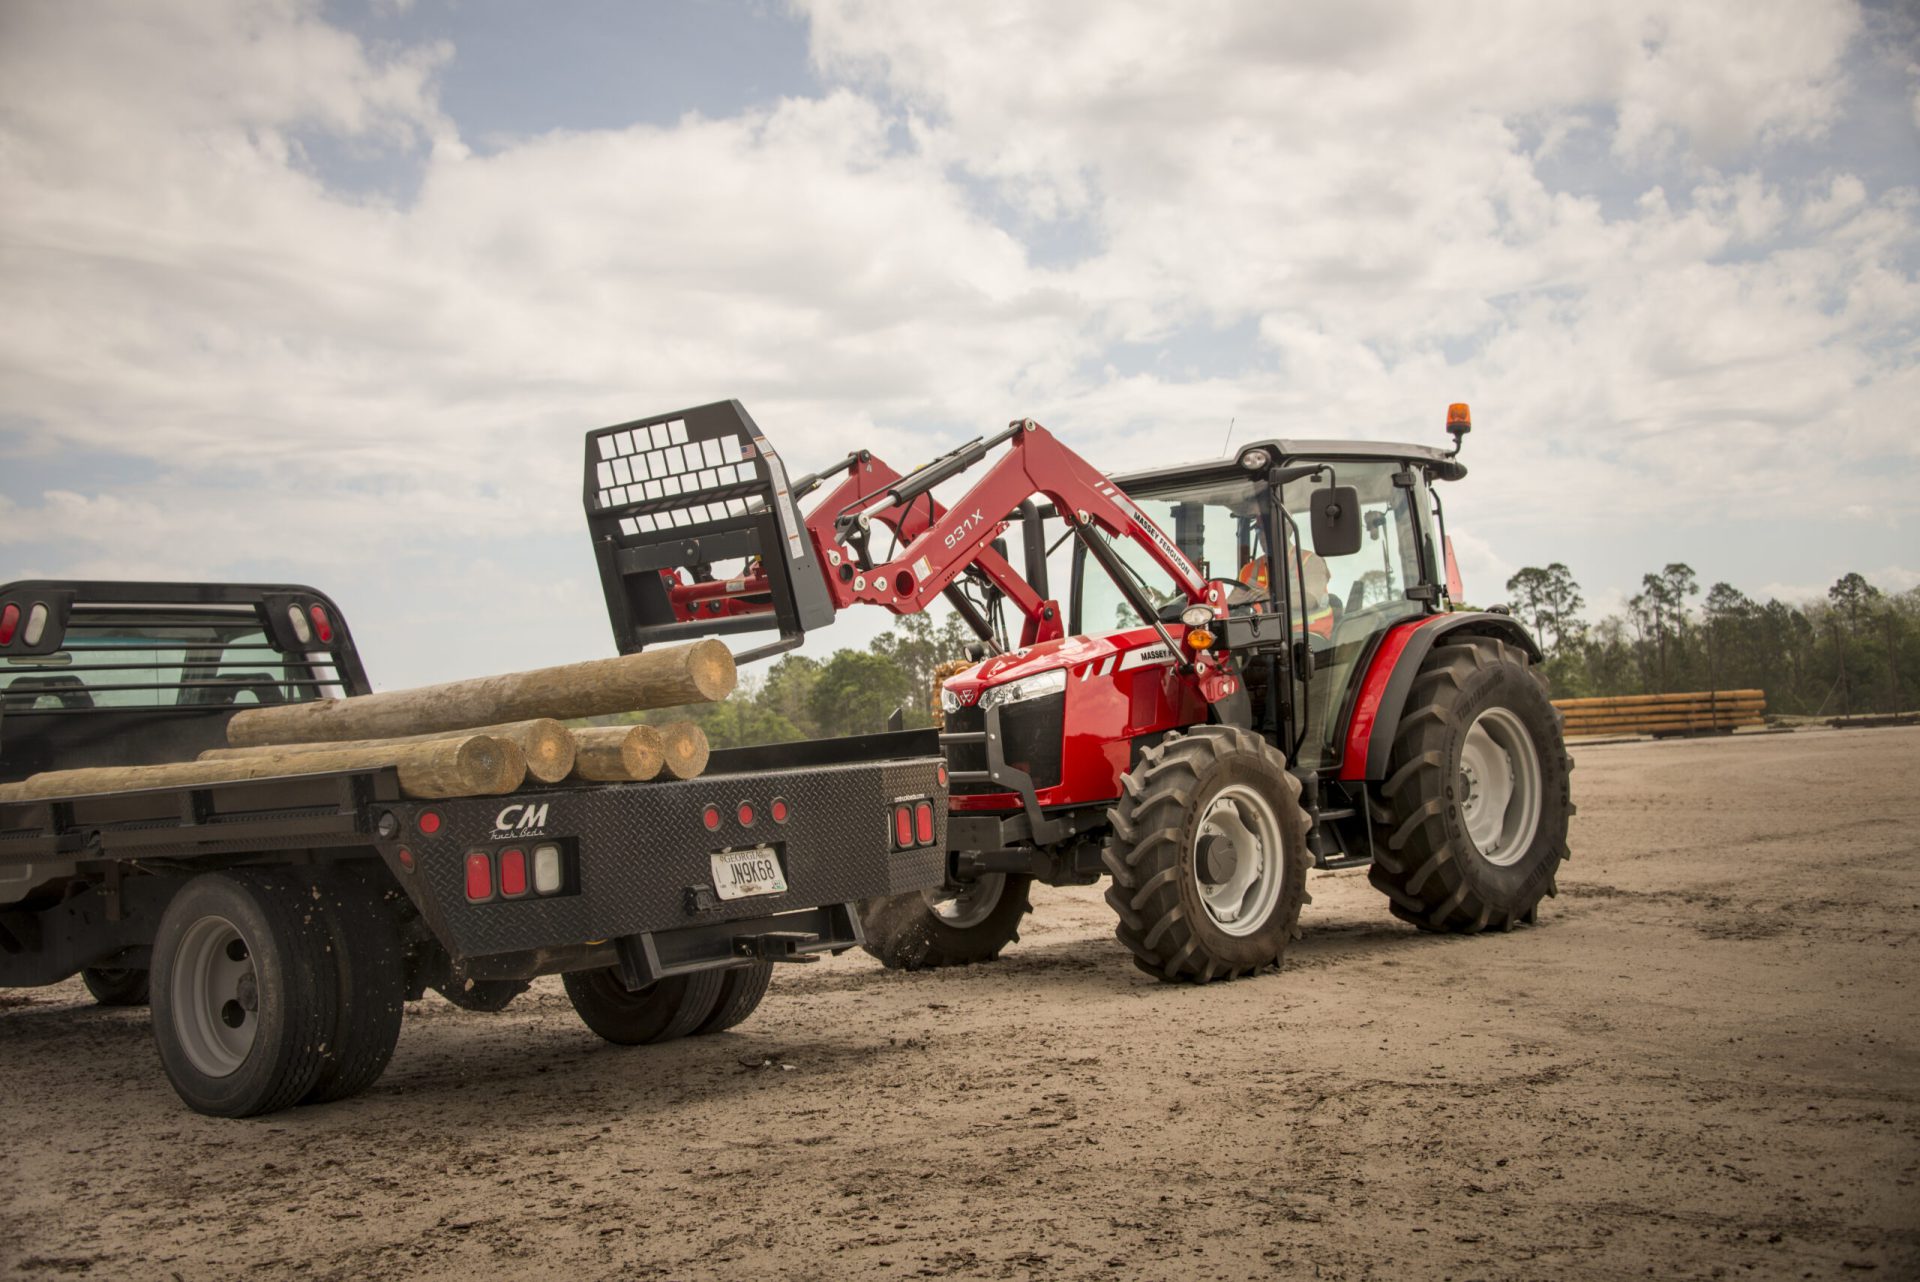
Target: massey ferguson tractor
<point x="1257" y="669"/>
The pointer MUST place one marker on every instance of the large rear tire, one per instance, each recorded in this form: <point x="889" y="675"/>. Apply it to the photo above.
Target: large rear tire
<point x="669" y="1008"/>
<point x="372" y="977"/>
<point x="115" y="986"/>
<point x="950" y="926"/>
<point x="741" y="991"/>
<point x="1476" y="801"/>
<point x="245" y="997"/>
<point x="1208" y="856"/>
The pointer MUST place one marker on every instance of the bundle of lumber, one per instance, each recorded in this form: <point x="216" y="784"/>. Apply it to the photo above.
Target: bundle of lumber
<point x="1663" y="714"/>
<point x="477" y="738"/>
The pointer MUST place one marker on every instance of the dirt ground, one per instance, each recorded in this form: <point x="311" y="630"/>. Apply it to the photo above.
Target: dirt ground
<point x="1704" y="1062"/>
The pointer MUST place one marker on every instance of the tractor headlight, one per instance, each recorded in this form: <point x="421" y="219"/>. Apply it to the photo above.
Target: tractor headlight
<point x="1035" y="687"/>
<point x="949" y="701"/>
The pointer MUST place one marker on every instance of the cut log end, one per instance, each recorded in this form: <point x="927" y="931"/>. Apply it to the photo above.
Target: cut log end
<point x="685" y="747"/>
<point x="617" y="754"/>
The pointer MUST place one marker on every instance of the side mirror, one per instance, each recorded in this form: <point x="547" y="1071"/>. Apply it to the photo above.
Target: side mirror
<point x="1336" y="521"/>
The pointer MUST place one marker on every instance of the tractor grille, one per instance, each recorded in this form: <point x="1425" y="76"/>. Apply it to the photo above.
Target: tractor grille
<point x="1031" y="730"/>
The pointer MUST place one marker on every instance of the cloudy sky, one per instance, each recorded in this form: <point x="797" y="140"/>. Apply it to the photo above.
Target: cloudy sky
<point x="330" y="292"/>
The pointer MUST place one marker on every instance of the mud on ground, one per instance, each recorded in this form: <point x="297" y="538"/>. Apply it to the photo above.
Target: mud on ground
<point x="1704" y="1062"/>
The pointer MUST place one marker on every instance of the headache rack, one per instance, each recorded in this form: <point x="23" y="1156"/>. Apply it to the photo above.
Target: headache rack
<point x="682" y="508"/>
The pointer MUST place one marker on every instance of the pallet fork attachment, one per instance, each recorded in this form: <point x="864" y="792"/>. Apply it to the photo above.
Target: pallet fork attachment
<point x="696" y="532"/>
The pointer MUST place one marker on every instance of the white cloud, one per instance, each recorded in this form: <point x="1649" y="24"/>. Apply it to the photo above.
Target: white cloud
<point x="1317" y="219"/>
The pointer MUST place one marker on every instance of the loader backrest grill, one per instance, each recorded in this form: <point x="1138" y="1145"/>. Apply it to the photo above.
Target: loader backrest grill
<point x="652" y="471"/>
<point x="683" y="501"/>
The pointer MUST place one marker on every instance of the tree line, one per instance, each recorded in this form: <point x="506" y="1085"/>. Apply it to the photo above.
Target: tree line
<point x="1857" y="650"/>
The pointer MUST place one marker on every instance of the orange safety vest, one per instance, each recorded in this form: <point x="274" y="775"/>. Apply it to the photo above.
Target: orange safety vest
<point x="1319" y="622"/>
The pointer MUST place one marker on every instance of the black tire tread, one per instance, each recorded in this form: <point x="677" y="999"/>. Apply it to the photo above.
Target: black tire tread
<point x="1142" y="855"/>
<point x="370" y="968"/>
<point x="113" y="986"/>
<point x="1416" y="864"/>
<point x="741" y="991"/>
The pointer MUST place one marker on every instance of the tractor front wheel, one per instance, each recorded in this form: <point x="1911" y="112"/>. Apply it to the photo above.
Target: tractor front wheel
<point x="1208" y="855"/>
<point x="1473" y="821"/>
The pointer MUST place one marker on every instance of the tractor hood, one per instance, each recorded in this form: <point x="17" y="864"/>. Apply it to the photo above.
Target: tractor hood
<point x="1079" y="656"/>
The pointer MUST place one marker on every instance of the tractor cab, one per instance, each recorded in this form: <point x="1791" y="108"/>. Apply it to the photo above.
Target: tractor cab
<point x="1311" y="592"/>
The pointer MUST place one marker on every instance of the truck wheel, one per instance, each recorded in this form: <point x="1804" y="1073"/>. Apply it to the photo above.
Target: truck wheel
<point x="1208" y="855"/>
<point x="669" y="1008"/>
<point x="741" y="991"/>
<point x="488" y="996"/>
<point x="927" y="929"/>
<point x="370" y="970"/>
<point x="1476" y="798"/>
<point x="115" y="986"/>
<point x="244" y="993"/>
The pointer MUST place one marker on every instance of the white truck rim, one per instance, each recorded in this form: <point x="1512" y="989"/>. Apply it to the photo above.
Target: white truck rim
<point x="1499" y="786"/>
<point x="215" y="997"/>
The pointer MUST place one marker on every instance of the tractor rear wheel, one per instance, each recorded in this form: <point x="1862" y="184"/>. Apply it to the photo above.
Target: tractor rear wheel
<point x="950" y="926"/>
<point x="1208" y="855"/>
<point x="1473" y="821"/>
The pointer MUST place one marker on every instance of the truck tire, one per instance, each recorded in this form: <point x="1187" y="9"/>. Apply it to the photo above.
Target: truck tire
<point x="1208" y="856"/>
<point x="741" y="991"/>
<point x="669" y="1008"/>
<point x="928" y="929"/>
<point x="116" y="986"/>
<point x="487" y="996"/>
<point x="245" y="997"/>
<point x="1476" y="800"/>
<point x="370" y="969"/>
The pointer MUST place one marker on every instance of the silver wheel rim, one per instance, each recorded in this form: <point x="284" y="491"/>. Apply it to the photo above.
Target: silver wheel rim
<point x="1238" y="860"/>
<point x="1499" y="786"/>
<point x="970" y="904"/>
<point x="215" y="995"/>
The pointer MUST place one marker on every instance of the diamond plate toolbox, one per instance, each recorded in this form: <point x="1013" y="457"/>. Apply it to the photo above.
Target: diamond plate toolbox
<point x="640" y="855"/>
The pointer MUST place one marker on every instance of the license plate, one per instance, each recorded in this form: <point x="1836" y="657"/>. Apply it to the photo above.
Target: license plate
<point x="738" y="874"/>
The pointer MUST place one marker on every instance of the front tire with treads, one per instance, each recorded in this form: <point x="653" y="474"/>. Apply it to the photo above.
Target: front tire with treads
<point x="1473" y="813"/>
<point x="741" y="991"/>
<point x="1208" y="856"/>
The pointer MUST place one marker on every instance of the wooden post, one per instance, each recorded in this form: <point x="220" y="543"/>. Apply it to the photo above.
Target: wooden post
<point x="545" y="743"/>
<point x="475" y="766"/>
<point x="617" y="754"/>
<point x="685" y="747"/>
<point x="700" y="672"/>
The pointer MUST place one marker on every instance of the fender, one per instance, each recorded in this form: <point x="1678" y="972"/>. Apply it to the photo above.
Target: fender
<point x="1396" y="661"/>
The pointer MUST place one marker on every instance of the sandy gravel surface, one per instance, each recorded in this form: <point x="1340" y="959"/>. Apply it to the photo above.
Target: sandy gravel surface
<point x="1704" y="1062"/>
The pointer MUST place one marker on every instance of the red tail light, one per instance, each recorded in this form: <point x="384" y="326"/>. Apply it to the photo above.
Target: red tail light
<point x="711" y="818"/>
<point x="778" y="810"/>
<point x="513" y="873"/>
<point x="940" y="773"/>
<point x="9" y="621"/>
<point x="429" y="822"/>
<point x="322" y="625"/>
<point x="923" y="822"/>
<point x="479" y="876"/>
<point x="745" y="814"/>
<point x="902" y="826"/>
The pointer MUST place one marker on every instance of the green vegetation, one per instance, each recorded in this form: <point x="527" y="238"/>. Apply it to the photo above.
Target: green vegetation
<point x="1857" y="651"/>
<point x="851" y="692"/>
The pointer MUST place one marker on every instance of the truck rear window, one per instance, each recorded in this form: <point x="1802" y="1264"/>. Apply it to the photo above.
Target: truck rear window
<point x="117" y="659"/>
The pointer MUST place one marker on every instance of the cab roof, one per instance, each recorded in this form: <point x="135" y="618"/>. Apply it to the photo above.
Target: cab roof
<point x="1283" y="452"/>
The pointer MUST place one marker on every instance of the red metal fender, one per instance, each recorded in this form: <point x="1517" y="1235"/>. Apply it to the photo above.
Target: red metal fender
<point x="1383" y="691"/>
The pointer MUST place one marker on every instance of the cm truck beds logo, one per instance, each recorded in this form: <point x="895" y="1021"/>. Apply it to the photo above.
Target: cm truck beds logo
<point x="520" y="820"/>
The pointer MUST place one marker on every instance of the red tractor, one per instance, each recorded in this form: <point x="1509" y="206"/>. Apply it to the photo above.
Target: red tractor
<point x="1225" y="700"/>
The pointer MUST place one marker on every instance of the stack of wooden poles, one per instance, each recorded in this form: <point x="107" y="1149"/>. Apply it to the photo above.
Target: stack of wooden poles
<point x="1700" y="712"/>
<point x="478" y="738"/>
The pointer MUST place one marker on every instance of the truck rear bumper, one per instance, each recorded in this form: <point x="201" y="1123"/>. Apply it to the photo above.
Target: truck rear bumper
<point x="639" y="860"/>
